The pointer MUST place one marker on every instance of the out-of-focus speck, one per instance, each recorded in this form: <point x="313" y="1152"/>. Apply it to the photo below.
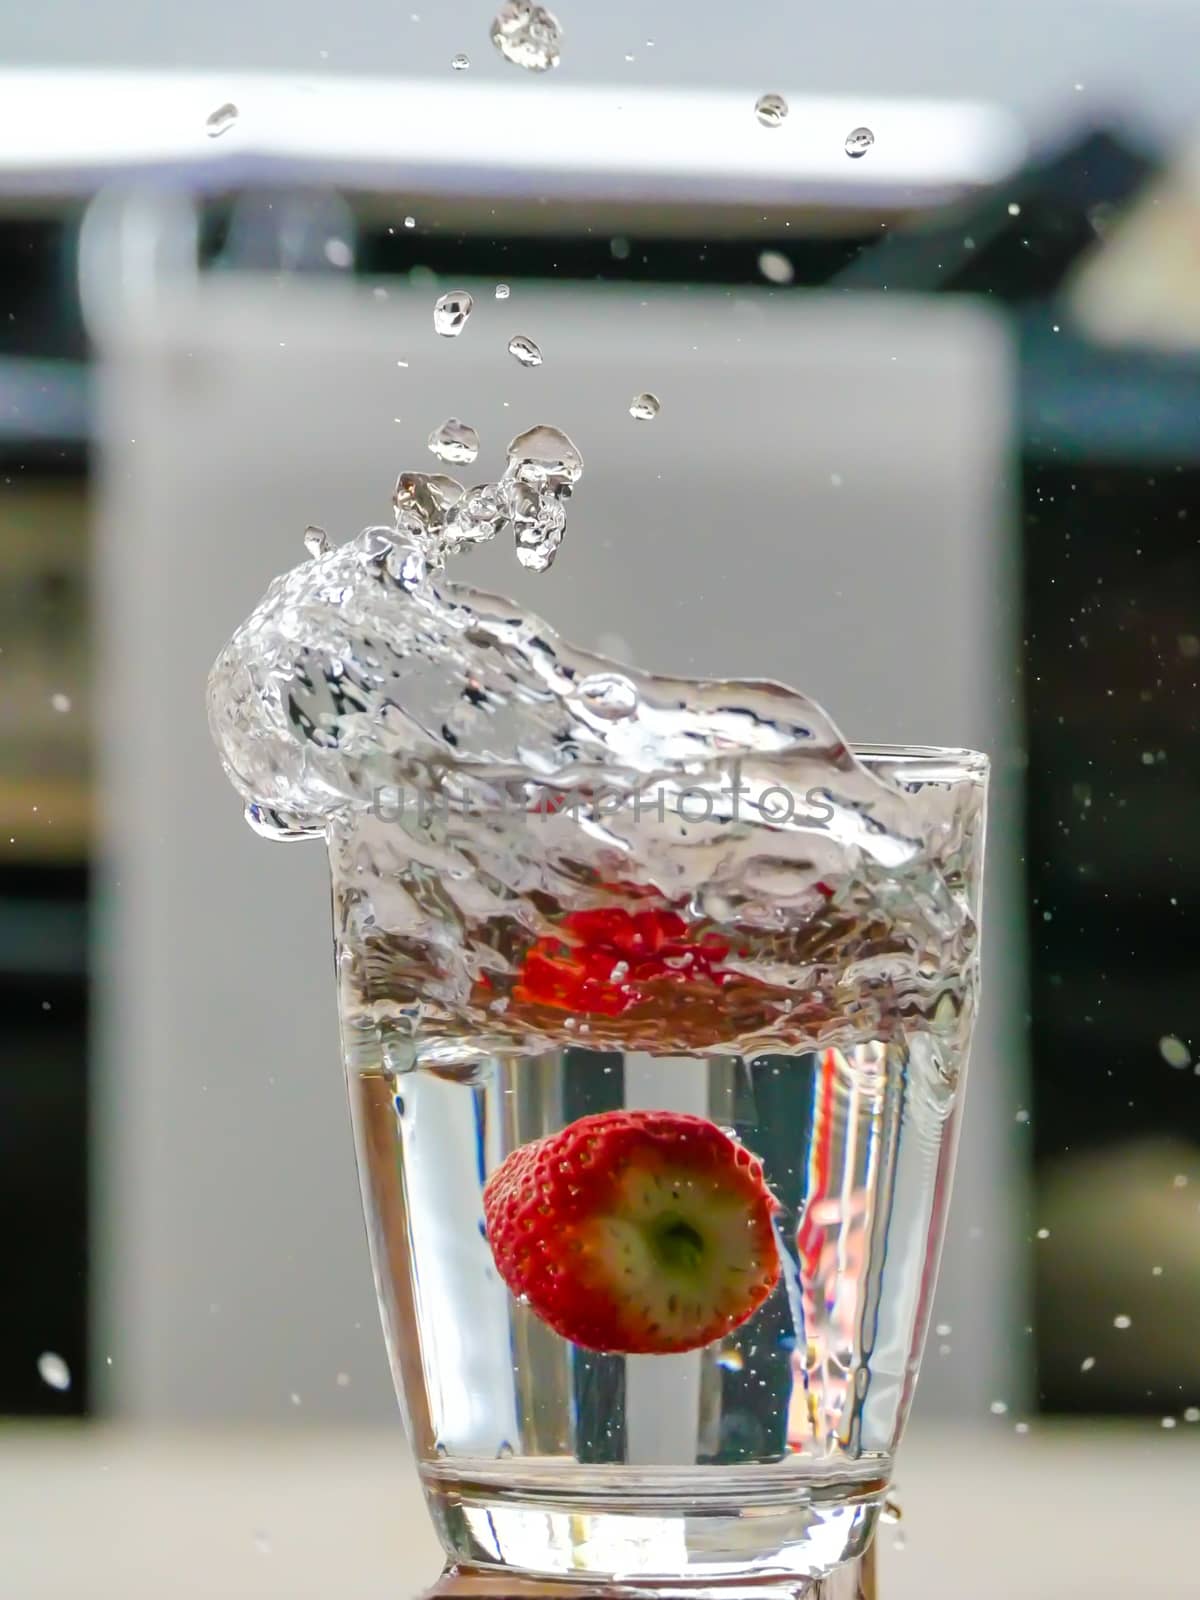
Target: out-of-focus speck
<point x="1014" y="209"/>
<point x="1022" y="1115"/>
<point x="775" y="267"/>
<point x="401" y="364"/>
<point x="60" y="702"/>
<point x="343" y="1380"/>
<point x="54" y="1371"/>
<point x="1078" y="88"/>
<point x="644" y="407"/>
<point x="1192" y="1414"/>
<point x="1122" y="1321"/>
<point x="1087" y="1363"/>
<point x="316" y="540"/>
<point x="1179" y="1181"/>
<point x="410" y="222"/>
<point x="618" y="249"/>
<point x="451" y="311"/>
<point x="771" y="109"/>
<point x="454" y="441"/>
<point x="1101" y="217"/>
<point x="1174" y="1052"/>
<point x="899" y="1542"/>
<point x="378" y="293"/>
<point x="527" y="35"/>
<point x="1156" y="1272"/>
<point x="1168" y="1422"/>
<point x="262" y="1543"/>
<point x="943" y="1330"/>
<point x="858" y="142"/>
<point x="730" y="1360"/>
<point x="943" y="1349"/>
<point x="295" y="1398"/>
<point x="502" y="291"/>
<point x="628" y="57"/>
<point x="338" y="253"/>
<point x="1043" y="1233"/>
<point x="221" y="120"/>
<point x="460" y="62"/>
<point x="1021" y="1427"/>
<point x="835" y="479"/>
<point x="523" y="349"/>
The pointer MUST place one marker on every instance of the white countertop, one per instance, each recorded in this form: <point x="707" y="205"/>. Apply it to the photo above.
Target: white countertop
<point x="111" y="1513"/>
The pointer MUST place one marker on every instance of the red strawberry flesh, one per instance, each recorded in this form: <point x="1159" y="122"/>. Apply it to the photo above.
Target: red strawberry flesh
<point x="635" y="1231"/>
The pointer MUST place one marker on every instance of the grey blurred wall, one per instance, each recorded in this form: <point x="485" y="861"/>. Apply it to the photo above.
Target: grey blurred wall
<point x="1048" y="60"/>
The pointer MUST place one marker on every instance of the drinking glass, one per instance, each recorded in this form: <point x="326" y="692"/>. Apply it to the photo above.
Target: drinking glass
<point x="764" y="1457"/>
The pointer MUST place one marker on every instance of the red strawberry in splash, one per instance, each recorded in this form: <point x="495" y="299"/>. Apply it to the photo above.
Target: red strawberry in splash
<point x="635" y="1231"/>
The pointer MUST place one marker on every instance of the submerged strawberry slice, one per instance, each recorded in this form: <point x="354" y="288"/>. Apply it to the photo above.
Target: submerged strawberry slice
<point x="599" y="959"/>
<point x="635" y="1231"/>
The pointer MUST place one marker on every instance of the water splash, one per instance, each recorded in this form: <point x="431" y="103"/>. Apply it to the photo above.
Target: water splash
<point x="527" y="35"/>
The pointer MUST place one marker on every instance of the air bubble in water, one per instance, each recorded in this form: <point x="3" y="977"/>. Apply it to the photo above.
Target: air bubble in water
<point x="460" y="62"/>
<point x="502" y="291"/>
<point x="53" y="1371"/>
<point x="858" y="142"/>
<point x="775" y="267"/>
<point x="451" y="311"/>
<point x="316" y="540"/>
<point x="221" y="120"/>
<point x="770" y="109"/>
<point x="1174" y="1052"/>
<point x="454" y="441"/>
<point x="527" y="35"/>
<point x="609" y="695"/>
<point x="644" y="407"/>
<point x="524" y="349"/>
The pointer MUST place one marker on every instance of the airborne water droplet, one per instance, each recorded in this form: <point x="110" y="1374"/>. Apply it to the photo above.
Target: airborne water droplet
<point x="891" y="1511"/>
<point x="524" y="349"/>
<point x="502" y="291"/>
<point x="770" y="109"/>
<point x="460" y="62"/>
<point x="451" y="311"/>
<point x="454" y="441"/>
<point x="858" y="142"/>
<point x="316" y="540"/>
<point x="527" y="35"/>
<point x="544" y="455"/>
<point x="221" y="120"/>
<point x="53" y="1371"/>
<point x="644" y="407"/>
<point x="609" y="695"/>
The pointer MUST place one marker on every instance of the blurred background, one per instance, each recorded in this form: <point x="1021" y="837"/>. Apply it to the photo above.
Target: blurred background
<point x="929" y="446"/>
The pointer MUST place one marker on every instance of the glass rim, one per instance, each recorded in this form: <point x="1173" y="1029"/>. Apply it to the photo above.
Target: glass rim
<point x="929" y="762"/>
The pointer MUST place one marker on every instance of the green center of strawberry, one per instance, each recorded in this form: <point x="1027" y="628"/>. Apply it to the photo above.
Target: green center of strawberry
<point x="677" y="1245"/>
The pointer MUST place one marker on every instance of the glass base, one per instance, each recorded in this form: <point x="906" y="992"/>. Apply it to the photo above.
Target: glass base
<point x="854" y="1580"/>
<point x="785" y="1542"/>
